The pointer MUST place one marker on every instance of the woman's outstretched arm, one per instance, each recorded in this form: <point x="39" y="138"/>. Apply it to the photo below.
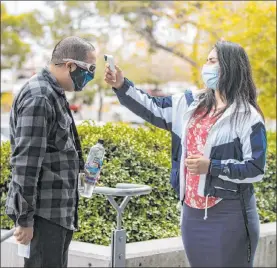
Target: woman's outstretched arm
<point x="155" y="110"/>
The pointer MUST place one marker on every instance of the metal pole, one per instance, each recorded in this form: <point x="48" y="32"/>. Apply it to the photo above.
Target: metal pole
<point x="118" y="244"/>
<point x="118" y="237"/>
<point x="119" y="213"/>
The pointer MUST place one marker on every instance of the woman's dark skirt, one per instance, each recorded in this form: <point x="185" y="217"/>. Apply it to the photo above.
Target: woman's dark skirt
<point x="221" y="239"/>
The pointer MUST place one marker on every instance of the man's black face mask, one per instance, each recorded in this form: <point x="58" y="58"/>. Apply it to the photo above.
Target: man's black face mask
<point x="80" y="78"/>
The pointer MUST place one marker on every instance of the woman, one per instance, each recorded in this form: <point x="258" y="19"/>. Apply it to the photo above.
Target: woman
<point x="218" y="152"/>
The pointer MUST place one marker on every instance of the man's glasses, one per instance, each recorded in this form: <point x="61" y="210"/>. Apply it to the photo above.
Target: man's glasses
<point x="89" y="67"/>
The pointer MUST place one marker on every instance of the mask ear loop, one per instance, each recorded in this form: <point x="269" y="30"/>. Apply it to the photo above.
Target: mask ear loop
<point x="70" y="71"/>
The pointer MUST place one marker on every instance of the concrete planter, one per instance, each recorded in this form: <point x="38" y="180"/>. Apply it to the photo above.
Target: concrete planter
<point x="167" y="252"/>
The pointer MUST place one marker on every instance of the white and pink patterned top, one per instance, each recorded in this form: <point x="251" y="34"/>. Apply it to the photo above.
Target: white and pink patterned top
<point x="198" y="130"/>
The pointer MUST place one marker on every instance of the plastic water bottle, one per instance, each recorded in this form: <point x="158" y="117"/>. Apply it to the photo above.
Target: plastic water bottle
<point x="92" y="168"/>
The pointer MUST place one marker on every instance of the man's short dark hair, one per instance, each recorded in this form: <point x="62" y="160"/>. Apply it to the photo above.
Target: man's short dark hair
<point x="71" y="47"/>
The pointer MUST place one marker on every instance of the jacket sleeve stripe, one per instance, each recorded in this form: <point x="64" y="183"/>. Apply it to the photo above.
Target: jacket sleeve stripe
<point x="155" y="110"/>
<point x="252" y="168"/>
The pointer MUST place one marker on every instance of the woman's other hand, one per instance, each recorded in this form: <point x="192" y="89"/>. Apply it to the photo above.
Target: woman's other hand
<point x="197" y="164"/>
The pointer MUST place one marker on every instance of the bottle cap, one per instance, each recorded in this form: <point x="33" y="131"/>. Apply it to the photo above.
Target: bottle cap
<point x="101" y="141"/>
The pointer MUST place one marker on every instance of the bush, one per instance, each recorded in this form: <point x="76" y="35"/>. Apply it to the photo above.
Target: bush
<point x="142" y="156"/>
<point x="266" y="189"/>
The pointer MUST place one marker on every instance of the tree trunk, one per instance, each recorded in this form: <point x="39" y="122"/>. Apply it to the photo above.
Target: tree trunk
<point x="100" y="104"/>
<point x="195" y="53"/>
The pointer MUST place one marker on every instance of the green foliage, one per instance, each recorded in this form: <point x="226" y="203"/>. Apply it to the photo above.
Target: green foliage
<point x="135" y="156"/>
<point x="140" y="155"/>
<point x="14" y="29"/>
<point x="68" y="19"/>
<point x="252" y="24"/>
<point x="266" y="189"/>
<point x="132" y="155"/>
<point x="124" y="7"/>
<point x="5" y="152"/>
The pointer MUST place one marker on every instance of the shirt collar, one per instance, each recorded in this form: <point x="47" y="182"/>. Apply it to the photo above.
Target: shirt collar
<point x="52" y="80"/>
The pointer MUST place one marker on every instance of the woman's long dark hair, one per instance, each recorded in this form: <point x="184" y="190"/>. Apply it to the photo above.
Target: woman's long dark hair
<point x="235" y="84"/>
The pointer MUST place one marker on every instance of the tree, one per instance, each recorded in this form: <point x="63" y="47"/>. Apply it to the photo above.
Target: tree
<point x="14" y="31"/>
<point x="253" y="25"/>
<point x="144" y="17"/>
<point x="155" y="68"/>
<point x="250" y="23"/>
<point x="76" y="18"/>
<point x="69" y="19"/>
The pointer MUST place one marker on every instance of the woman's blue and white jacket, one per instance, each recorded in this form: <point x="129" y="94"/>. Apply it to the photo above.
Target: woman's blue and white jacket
<point x="237" y="151"/>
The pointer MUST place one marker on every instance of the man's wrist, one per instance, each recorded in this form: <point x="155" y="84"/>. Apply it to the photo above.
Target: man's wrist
<point x="25" y="222"/>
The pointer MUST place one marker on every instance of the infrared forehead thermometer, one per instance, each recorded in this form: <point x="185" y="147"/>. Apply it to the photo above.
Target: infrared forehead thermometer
<point x="109" y="59"/>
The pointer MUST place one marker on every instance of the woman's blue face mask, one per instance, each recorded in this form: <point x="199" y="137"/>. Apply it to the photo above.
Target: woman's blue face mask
<point x="80" y="78"/>
<point x="210" y="76"/>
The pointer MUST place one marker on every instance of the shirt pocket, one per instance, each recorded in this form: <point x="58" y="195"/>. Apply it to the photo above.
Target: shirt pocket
<point x="63" y="137"/>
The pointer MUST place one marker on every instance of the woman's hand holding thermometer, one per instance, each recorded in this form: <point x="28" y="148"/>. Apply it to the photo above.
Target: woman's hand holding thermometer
<point x="109" y="59"/>
<point x="113" y="74"/>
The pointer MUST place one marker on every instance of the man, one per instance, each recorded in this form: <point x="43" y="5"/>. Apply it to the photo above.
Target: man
<point x="46" y="155"/>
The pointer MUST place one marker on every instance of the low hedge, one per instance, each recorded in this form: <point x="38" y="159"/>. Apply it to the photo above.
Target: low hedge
<point x="139" y="155"/>
<point x="266" y="189"/>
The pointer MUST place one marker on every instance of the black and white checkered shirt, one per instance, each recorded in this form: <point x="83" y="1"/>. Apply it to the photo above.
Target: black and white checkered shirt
<point x="45" y="163"/>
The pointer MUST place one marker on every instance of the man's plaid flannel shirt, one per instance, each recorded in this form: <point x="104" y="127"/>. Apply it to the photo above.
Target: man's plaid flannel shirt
<point x="45" y="163"/>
